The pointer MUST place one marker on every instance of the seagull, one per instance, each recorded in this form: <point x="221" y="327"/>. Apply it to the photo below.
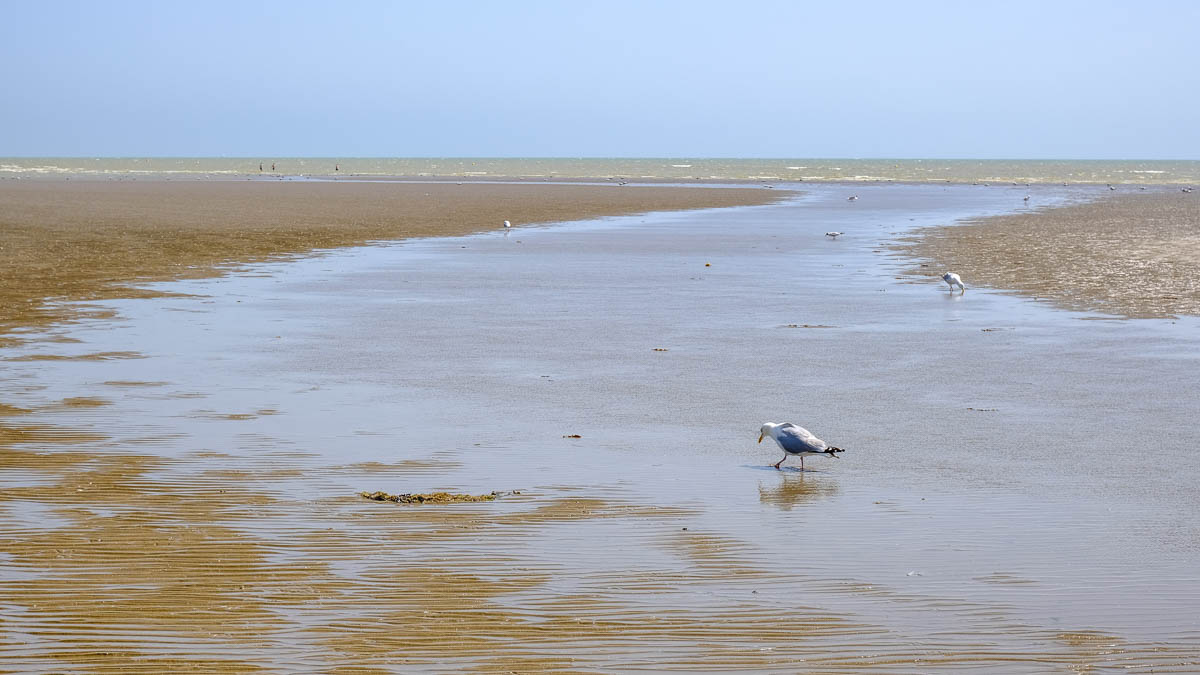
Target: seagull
<point x="507" y="224"/>
<point x="1027" y="198"/>
<point x="796" y="440"/>
<point x="852" y="198"/>
<point x="835" y="235"/>
<point x="954" y="280"/>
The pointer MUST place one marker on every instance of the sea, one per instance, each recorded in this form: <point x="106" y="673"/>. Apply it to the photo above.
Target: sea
<point x="1146" y="172"/>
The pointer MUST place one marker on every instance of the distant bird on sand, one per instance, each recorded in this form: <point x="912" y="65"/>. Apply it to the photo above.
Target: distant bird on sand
<point x="835" y="235"/>
<point x="1026" y="198"/>
<point x="852" y="198"/>
<point x="507" y="224"/>
<point x="796" y="440"/>
<point x="954" y="280"/>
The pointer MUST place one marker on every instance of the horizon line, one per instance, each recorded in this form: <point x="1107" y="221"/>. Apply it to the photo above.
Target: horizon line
<point x="612" y="157"/>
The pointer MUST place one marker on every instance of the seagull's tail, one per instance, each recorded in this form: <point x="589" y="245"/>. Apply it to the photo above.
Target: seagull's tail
<point x="831" y="452"/>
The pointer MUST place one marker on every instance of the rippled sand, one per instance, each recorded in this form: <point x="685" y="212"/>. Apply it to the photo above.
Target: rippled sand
<point x="1134" y="255"/>
<point x="198" y="508"/>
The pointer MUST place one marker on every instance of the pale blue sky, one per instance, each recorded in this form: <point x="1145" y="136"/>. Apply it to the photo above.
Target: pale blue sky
<point x="739" y="78"/>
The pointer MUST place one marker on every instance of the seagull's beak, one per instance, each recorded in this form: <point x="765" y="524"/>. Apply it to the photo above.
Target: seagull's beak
<point x="760" y="436"/>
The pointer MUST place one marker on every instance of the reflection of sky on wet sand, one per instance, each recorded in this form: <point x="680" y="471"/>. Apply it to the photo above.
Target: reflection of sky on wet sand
<point x="969" y="427"/>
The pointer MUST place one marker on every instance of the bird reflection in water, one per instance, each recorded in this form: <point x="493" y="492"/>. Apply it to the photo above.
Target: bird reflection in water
<point x="796" y="489"/>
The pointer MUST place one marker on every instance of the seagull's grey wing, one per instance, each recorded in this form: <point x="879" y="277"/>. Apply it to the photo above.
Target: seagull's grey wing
<point x="796" y="439"/>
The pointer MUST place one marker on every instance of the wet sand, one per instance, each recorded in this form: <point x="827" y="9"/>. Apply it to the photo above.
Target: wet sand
<point x="1132" y="255"/>
<point x="181" y="483"/>
<point x="89" y="239"/>
<point x="112" y="539"/>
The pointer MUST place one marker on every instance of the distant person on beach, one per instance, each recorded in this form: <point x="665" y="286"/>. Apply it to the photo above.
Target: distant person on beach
<point x="260" y="167"/>
<point x="272" y="166"/>
<point x="337" y="167"/>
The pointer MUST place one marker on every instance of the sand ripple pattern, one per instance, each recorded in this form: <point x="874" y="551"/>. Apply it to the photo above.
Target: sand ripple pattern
<point x="148" y="525"/>
<point x="135" y="563"/>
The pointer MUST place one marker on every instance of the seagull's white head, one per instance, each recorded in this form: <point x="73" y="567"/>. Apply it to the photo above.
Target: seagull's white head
<point x="767" y="429"/>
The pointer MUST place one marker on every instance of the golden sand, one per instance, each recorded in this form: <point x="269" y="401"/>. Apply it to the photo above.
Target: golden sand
<point x="78" y="239"/>
<point x="137" y="572"/>
<point x="199" y="563"/>
<point x="1133" y="255"/>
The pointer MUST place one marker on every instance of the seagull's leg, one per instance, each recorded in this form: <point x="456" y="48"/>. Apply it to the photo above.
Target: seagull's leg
<point x="801" y="462"/>
<point x="781" y="461"/>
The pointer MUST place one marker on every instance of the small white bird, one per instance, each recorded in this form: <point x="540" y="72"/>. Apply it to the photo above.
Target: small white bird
<point x="794" y="440"/>
<point x="835" y="235"/>
<point x="852" y="198"/>
<point x="954" y="280"/>
<point x="507" y="224"/>
<point x="1027" y="198"/>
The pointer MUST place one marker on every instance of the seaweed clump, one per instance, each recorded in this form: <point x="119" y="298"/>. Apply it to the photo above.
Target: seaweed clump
<point x="429" y="497"/>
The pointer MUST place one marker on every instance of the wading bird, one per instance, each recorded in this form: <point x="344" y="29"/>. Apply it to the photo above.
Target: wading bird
<point x="954" y="280"/>
<point x="796" y="440"/>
